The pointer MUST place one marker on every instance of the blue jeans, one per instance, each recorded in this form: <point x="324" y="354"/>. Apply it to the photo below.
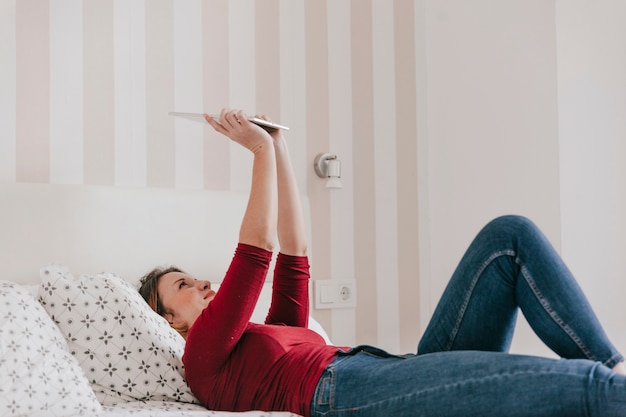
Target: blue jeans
<point x="461" y="368"/>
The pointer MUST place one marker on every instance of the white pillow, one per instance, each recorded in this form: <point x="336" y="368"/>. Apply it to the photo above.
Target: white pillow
<point x="127" y="350"/>
<point x="39" y="377"/>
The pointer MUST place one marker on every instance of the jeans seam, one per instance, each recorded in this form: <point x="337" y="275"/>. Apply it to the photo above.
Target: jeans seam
<point x="474" y="281"/>
<point x="552" y="313"/>
<point x="613" y="360"/>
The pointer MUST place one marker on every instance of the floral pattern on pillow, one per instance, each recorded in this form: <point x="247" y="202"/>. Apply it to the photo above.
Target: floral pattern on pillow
<point x="127" y="351"/>
<point x="39" y="376"/>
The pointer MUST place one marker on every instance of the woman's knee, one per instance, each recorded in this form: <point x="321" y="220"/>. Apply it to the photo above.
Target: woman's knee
<point x="512" y="224"/>
<point x="514" y="229"/>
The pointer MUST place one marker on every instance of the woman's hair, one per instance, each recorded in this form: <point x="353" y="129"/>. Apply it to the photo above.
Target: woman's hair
<point x="149" y="291"/>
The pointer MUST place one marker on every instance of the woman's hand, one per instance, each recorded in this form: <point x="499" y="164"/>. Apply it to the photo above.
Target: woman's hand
<point x="276" y="134"/>
<point x="235" y="125"/>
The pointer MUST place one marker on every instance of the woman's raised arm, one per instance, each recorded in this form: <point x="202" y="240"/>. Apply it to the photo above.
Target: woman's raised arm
<point x="291" y="226"/>
<point x="258" y="227"/>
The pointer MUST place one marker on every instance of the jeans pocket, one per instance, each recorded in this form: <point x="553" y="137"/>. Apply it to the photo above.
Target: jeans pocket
<point x="324" y="390"/>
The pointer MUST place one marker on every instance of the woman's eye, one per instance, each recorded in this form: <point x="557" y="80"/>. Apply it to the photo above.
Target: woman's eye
<point x="182" y="284"/>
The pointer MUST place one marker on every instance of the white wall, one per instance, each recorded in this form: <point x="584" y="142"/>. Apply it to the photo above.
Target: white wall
<point x="524" y="113"/>
<point x="592" y="131"/>
<point x="492" y="122"/>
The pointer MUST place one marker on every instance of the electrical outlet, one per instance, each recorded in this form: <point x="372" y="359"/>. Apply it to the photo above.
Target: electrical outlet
<point x="330" y="293"/>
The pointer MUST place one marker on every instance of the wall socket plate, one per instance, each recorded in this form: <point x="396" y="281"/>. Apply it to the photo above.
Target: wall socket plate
<point x="332" y="293"/>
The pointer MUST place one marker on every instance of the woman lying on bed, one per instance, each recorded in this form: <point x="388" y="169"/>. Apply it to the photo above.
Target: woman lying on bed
<point x="461" y="367"/>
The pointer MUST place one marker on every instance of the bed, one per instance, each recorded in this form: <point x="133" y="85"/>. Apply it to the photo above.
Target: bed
<point x="75" y="337"/>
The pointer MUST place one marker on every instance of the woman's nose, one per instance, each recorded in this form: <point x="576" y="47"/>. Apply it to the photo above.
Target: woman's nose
<point x="204" y="285"/>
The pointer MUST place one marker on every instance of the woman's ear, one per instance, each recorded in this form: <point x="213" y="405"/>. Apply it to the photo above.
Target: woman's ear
<point x="181" y="328"/>
<point x="169" y="317"/>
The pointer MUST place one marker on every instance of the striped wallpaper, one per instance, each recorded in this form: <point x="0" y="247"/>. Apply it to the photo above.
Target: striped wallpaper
<point x="86" y="87"/>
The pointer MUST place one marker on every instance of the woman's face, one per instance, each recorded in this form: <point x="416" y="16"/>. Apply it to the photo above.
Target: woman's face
<point x="183" y="297"/>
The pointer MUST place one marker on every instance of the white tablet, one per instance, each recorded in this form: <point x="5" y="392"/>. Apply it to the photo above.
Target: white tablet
<point x="199" y="117"/>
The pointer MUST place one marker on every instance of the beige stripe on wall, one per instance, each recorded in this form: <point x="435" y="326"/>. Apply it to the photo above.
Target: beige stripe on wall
<point x="32" y="91"/>
<point x="406" y="130"/>
<point x="160" y="93"/>
<point x="363" y="156"/>
<point x="341" y="141"/>
<point x="293" y="85"/>
<point x="316" y="64"/>
<point x="267" y="59"/>
<point x="98" y="96"/>
<point x="215" y="83"/>
<point x="385" y="185"/>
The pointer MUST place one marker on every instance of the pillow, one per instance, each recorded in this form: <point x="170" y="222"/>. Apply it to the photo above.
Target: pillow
<point x="39" y="375"/>
<point x="127" y="351"/>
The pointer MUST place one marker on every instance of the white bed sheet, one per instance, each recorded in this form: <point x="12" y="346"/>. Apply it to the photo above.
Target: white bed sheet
<point x="172" y="409"/>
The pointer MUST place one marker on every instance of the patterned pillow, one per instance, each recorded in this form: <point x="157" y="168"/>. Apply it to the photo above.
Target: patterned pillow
<point x="39" y="375"/>
<point x="127" y="351"/>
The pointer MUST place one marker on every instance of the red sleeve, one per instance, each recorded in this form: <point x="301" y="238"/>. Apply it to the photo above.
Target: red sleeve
<point x="219" y="327"/>
<point x="290" y="291"/>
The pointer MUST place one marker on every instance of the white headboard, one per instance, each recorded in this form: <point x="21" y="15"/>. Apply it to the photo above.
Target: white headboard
<point x="123" y="230"/>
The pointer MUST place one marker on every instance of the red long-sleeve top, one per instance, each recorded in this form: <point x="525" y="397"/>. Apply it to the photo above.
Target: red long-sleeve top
<point x="234" y="365"/>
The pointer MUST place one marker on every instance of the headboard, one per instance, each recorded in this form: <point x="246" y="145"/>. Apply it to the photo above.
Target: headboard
<point x="125" y="230"/>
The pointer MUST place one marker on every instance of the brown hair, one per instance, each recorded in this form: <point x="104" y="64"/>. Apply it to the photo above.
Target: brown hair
<point x="149" y="291"/>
